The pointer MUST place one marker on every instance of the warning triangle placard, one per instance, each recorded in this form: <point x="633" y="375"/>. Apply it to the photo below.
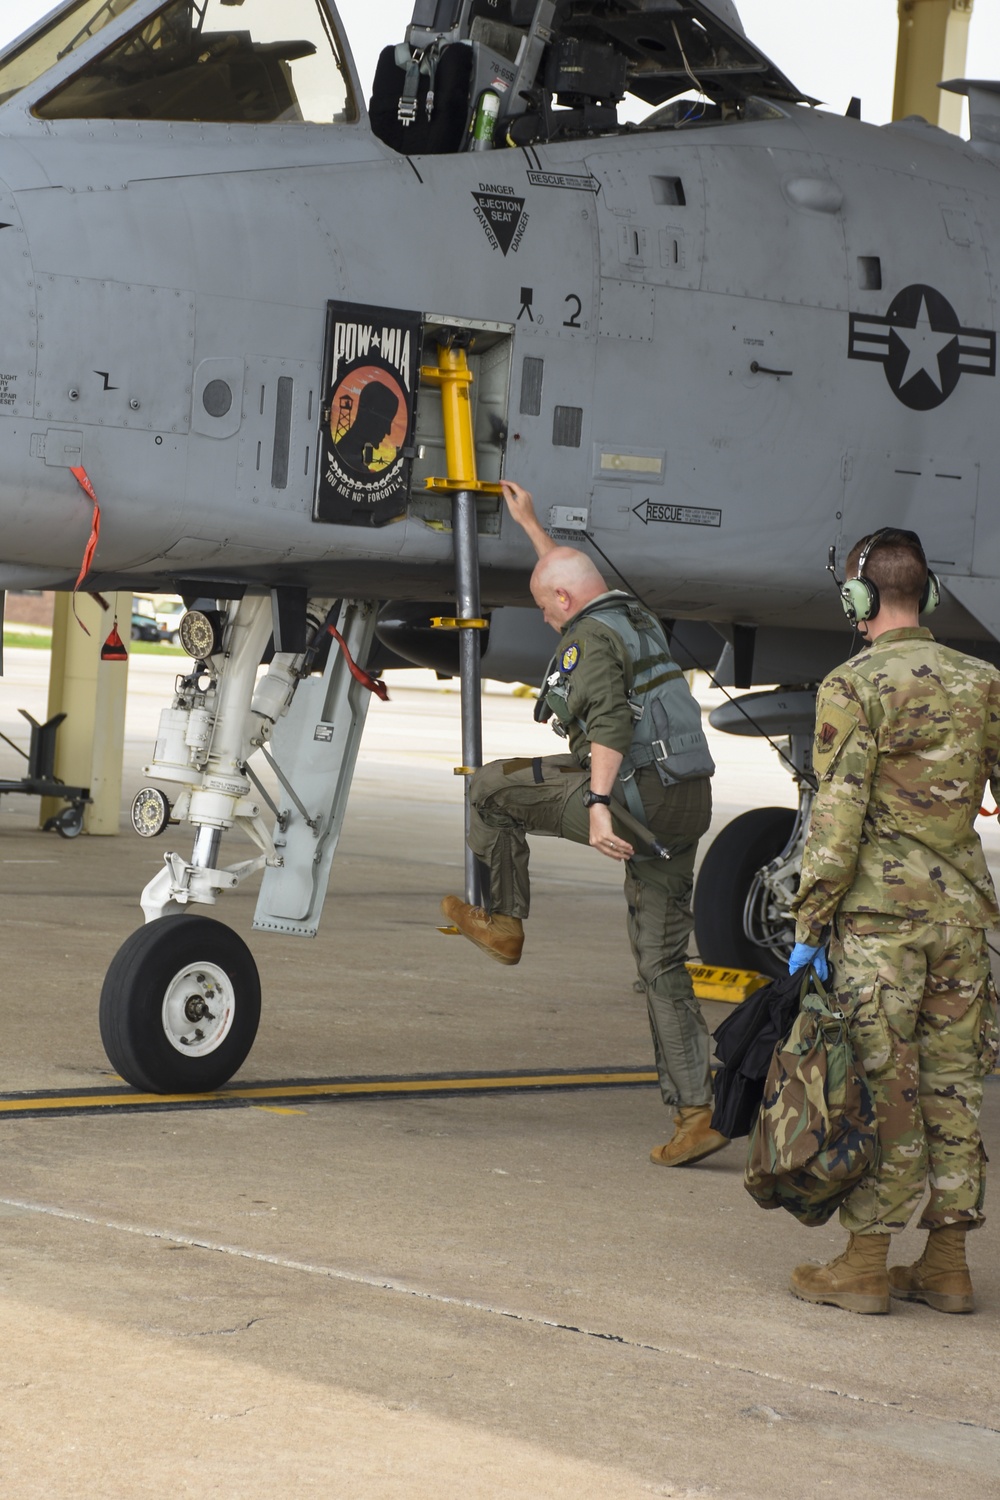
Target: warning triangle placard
<point x="502" y="215"/>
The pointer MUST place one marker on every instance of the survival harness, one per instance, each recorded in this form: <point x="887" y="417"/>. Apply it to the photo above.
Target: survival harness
<point x="668" y="732"/>
<point x="414" y="62"/>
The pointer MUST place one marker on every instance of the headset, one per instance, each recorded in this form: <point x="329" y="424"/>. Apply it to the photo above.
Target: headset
<point x="860" y="597"/>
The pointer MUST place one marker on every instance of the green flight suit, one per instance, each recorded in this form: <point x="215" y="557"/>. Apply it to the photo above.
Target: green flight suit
<point x="511" y="799"/>
<point x="907" y="736"/>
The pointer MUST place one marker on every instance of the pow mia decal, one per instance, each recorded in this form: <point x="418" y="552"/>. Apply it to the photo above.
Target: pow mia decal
<point x="924" y="349"/>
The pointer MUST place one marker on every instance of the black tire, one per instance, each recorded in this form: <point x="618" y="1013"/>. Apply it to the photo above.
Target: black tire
<point x="69" y="823"/>
<point x="143" y="1006"/>
<point x="723" y="884"/>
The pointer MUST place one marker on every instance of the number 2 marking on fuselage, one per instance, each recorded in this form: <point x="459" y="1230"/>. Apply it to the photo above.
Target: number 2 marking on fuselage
<point x="574" y="320"/>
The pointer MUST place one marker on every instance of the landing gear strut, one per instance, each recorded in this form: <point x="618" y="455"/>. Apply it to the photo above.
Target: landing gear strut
<point x="181" y="1001"/>
<point x="750" y="874"/>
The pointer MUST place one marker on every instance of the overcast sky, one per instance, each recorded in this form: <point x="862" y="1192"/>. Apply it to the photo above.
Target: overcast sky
<point x="830" y="51"/>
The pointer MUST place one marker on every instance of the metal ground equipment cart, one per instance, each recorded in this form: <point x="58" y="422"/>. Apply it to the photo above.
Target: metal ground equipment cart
<point x="41" y="780"/>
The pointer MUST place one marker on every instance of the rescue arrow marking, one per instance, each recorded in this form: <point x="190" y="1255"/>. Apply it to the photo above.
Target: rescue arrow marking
<point x="677" y="515"/>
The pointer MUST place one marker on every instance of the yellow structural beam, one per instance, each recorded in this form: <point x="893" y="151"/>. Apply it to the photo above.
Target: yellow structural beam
<point x="933" y="46"/>
<point x="91" y="693"/>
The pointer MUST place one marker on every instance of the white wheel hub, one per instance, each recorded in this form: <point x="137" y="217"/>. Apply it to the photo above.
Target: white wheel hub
<point x="199" y="1007"/>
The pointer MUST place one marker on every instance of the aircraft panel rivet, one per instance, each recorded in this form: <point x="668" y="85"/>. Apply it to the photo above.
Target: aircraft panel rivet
<point x="74" y="395"/>
<point x="134" y="405"/>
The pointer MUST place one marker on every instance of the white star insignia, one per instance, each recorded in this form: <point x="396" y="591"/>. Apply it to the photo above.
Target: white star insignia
<point x="924" y="346"/>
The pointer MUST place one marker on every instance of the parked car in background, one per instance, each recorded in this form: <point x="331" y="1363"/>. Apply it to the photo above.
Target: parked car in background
<point x="168" y="610"/>
<point x="144" y="626"/>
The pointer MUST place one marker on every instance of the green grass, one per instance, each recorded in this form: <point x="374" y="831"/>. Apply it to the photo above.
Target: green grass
<point x="14" y="637"/>
<point x="41" y="640"/>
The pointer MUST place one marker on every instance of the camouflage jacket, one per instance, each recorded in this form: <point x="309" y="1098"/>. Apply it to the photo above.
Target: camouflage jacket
<point x="907" y="735"/>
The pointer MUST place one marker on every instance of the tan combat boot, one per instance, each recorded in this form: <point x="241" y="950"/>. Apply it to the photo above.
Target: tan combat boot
<point x="857" y="1280"/>
<point x="501" y="937"/>
<point x="941" y="1276"/>
<point x="692" y="1139"/>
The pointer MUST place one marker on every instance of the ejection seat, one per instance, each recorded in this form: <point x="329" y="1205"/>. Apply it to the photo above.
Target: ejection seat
<point x="426" y="90"/>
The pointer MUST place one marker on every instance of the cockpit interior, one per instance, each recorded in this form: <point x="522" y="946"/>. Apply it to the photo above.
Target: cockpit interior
<point x="468" y="75"/>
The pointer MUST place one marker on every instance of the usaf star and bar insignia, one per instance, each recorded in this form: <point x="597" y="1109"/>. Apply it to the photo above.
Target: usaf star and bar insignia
<point x="922" y="347"/>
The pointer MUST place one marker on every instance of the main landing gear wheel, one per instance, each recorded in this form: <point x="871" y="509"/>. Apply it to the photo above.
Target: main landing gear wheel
<point x="723" y="886"/>
<point x="180" y="1006"/>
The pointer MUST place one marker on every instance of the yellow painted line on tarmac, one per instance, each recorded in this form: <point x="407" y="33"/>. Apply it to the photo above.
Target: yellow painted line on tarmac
<point x="286" y="1093"/>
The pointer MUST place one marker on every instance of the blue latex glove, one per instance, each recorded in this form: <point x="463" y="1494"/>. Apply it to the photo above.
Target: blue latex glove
<point x="802" y="955"/>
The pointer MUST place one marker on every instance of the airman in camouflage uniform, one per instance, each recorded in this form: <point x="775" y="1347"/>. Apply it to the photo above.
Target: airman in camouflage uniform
<point x="907" y="735"/>
<point x="593" y="685"/>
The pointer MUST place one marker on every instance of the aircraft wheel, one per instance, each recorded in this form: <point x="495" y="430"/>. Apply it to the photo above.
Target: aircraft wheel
<point x="722" y="887"/>
<point x="180" y="1006"/>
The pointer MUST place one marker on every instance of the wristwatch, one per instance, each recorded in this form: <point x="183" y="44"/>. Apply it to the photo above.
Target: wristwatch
<point x="589" y="798"/>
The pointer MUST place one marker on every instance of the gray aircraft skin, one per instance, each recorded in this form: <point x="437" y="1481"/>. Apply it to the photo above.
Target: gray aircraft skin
<point x="711" y="346"/>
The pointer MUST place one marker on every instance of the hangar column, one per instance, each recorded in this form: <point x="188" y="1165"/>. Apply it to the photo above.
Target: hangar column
<point x="933" y="46"/>
<point x="91" y="693"/>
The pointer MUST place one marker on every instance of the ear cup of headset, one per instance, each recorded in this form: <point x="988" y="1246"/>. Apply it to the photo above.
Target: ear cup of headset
<point x="860" y="599"/>
<point x="931" y="596"/>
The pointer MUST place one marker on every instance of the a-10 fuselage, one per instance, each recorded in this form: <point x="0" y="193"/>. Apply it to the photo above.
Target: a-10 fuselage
<point x="730" y="344"/>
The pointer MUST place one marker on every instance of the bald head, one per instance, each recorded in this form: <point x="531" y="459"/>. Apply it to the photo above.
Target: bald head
<point x="563" y="582"/>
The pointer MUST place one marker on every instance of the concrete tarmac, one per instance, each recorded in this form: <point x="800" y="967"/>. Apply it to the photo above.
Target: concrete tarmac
<point x="494" y="1295"/>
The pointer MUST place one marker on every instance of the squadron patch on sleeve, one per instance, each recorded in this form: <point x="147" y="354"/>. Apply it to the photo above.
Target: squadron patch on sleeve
<point x="835" y="725"/>
<point x="570" y="657"/>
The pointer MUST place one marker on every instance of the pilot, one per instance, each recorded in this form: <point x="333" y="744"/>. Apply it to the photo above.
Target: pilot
<point x="908" y="733"/>
<point x="634" y="732"/>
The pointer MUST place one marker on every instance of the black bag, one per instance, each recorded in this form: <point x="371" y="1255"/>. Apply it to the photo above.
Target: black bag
<point x="745" y="1043"/>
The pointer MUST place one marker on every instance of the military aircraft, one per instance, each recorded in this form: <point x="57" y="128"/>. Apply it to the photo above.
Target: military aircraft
<point x="242" y="313"/>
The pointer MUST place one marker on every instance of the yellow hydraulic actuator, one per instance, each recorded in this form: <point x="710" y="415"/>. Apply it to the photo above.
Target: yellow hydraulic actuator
<point x="453" y="375"/>
<point x="933" y="47"/>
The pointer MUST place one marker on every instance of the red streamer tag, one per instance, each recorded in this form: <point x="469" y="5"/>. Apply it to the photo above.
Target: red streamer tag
<point x="358" y="673"/>
<point x="83" y="480"/>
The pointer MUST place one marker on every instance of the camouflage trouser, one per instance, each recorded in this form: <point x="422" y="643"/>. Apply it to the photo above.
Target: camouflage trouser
<point x="513" y="798"/>
<point x="923" y="1020"/>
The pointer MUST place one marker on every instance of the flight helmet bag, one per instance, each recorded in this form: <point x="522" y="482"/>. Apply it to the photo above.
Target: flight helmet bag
<point x="816" y="1135"/>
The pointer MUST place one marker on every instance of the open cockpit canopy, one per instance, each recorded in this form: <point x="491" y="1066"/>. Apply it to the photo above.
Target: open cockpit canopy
<point x="227" y="61"/>
<point x="561" y="67"/>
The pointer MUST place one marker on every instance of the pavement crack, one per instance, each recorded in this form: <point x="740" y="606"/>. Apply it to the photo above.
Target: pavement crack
<point x="206" y="1333"/>
<point x="537" y="1320"/>
<point x="221" y="1333"/>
